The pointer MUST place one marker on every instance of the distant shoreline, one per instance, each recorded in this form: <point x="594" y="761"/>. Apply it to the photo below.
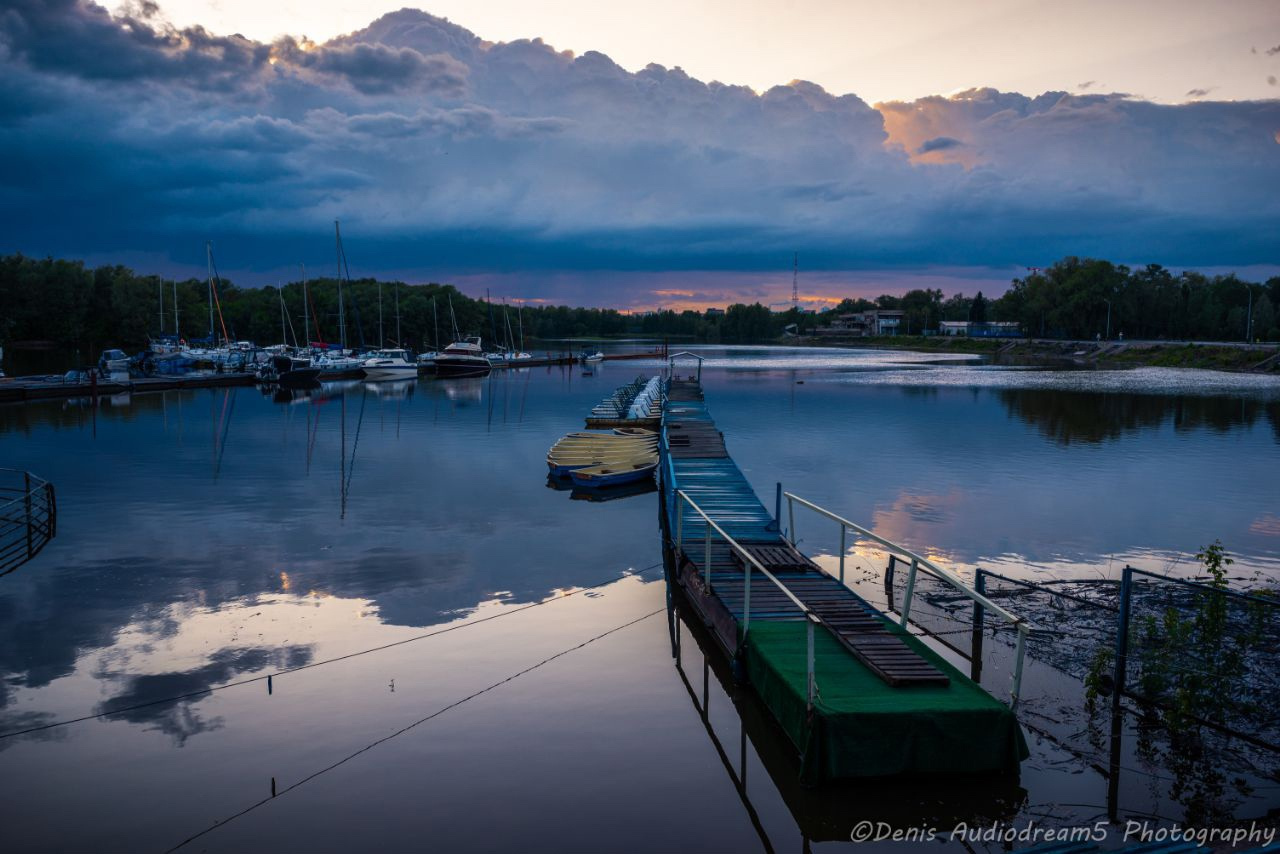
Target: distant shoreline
<point x="1215" y="356"/>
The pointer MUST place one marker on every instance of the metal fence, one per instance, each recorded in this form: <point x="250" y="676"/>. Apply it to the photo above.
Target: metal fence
<point x="1205" y="654"/>
<point x="28" y="517"/>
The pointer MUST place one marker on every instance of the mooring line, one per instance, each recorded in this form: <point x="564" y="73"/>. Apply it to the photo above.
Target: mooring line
<point x="192" y="694"/>
<point x="455" y="704"/>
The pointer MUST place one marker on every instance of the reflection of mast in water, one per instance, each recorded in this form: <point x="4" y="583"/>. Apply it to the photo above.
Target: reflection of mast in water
<point x="346" y="469"/>
<point x="313" y="430"/>
<point x="222" y="428"/>
<point x="488" y="424"/>
<point x="524" y="392"/>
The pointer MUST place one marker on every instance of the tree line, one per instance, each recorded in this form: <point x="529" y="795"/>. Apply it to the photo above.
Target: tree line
<point x="1087" y="297"/>
<point x="74" y="306"/>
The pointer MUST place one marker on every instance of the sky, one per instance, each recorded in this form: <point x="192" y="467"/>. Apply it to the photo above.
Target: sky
<point x="676" y="155"/>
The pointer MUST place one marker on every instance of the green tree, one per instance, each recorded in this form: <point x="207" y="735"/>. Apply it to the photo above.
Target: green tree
<point x="978" y="309"/>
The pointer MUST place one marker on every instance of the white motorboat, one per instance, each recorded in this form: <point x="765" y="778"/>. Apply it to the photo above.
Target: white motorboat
<point x="463" y="358"/>
<point x="391" y="364"/>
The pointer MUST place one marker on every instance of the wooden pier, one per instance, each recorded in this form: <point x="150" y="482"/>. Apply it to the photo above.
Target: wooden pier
<point x="857" y="694"/>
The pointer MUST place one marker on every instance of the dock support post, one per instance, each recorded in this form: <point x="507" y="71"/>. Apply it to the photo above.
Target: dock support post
<point x="706" y="566"/>
<point x="791" y="520"/>
<point x="679" y="522"/>
<point x="1122" y="637"/>
<point x="911" y="589"/>
<point x="746" y="600"/>
<point x="777" y="505"/>
<point x="1017" y="666"/>
<point x="979" y="615"/>
<point x="810" y="619"/>
<point x="843" y="532"/>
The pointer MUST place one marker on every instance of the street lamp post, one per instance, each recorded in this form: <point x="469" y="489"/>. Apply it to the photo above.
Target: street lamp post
<point x="1108" y="302"/>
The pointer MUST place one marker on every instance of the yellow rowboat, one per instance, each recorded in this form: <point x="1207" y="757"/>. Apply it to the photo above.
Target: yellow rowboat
<point x="561" y="466"/>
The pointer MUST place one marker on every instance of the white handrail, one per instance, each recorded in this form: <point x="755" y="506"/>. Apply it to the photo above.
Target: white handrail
<point x="1023" y="626"/>
<point x="944" y="574"/>
<point x="680" y="493"/>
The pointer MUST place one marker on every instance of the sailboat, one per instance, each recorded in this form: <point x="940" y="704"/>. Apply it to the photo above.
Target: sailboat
<point x="510" y="355"/>
<point x="464" y="357"/>
<point x="339" y="364"/>
<point x="390" y="363"/>
<point x="428" y="360"/>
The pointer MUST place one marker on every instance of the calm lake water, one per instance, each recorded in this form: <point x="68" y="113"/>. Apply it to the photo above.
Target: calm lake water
<point x="481" y="662"/>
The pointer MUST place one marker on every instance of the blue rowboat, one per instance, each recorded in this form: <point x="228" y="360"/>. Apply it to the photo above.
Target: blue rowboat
<point x="612" y="474"/>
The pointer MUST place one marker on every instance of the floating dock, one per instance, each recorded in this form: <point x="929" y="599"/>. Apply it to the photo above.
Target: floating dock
<point x="41" y="388"/>
<point x="857" y="695"/>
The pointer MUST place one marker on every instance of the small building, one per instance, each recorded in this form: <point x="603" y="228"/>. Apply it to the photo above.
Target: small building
<point x="862" y="324"/>
<point x="994" y="329"/>
<point x="715" y="312"/>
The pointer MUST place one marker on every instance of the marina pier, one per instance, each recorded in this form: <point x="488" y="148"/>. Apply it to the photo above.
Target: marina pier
<point x="857" y="694"/>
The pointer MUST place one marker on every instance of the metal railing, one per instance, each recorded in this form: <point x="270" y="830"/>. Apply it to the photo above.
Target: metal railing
<point x="28" y="517"/>
<point x="918" y="564"/>
<point x="748" y="564"/>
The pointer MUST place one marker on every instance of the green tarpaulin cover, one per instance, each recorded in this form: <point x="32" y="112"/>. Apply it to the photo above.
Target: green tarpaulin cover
<point x="862" y="727"/>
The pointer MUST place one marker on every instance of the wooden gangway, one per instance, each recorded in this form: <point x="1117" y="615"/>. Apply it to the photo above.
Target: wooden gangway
<point x="857" y="693"/>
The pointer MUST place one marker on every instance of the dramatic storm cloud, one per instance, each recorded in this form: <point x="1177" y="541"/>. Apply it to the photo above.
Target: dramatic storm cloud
<point x="448" y="156"/>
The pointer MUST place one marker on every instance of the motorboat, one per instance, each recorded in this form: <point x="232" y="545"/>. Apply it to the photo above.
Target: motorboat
<point x="294" y="371"/>
<point x="463" y="358"/>
<point x="114" y="360"/>
<point x="391" y="364"/>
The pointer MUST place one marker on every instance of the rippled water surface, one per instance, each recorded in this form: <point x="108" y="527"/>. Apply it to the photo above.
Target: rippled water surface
<point x="468" y="659"/>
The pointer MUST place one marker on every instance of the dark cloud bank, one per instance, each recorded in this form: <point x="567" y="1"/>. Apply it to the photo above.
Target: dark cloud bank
<point x="442" y="153"/>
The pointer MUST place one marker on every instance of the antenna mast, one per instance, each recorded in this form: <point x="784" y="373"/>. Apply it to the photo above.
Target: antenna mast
<point x="795" y="277"/>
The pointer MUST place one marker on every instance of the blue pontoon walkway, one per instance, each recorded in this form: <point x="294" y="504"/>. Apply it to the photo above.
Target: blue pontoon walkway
<point x="856" y="693"/>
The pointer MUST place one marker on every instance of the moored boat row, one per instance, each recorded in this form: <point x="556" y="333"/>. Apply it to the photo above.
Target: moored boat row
<point x="599" y="459"/>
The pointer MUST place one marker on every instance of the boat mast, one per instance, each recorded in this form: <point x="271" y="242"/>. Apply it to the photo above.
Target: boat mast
<point x="175" y="308"/>
<point x="435" y="324"/>
<point x="396" y="286"/>
<point x="453" y="317"/>
<point x="520" y="320"/>
<point x="342" y="315"/>
<point x="160" y="285"/>
<point x="208" y="252"/>
<point x="382" y="341"/>
<point x="306" y="315"/>
<point x="493" y="329"/>
<point x="284" y="340"/>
